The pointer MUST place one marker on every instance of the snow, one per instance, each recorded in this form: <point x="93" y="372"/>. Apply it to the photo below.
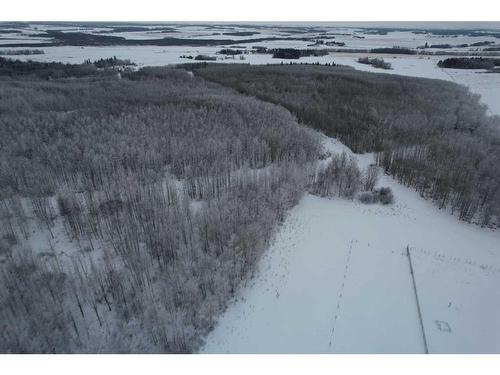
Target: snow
<point x="338" y="265"/>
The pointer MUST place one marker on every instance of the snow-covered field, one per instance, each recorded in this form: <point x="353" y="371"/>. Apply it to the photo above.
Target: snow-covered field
<point x="337" y="280"/>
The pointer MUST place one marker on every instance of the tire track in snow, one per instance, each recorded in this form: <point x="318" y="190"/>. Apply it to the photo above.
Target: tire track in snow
<point x="341" y="292"/>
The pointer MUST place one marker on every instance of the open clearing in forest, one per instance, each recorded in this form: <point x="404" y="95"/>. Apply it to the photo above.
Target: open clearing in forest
<point x="338" y="264"/>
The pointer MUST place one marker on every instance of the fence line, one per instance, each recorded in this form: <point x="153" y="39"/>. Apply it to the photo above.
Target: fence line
<point x="418" y="302"/>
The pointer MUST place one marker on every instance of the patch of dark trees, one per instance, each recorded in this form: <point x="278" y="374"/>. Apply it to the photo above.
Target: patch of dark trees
<point x="338" y="44"/>
<point x="241" y="33"/>
<point x="327" y="36"/>
<point x="205" y="58"/>
<point x="394" y="51"/>
<point x="230" y="51"/>
<point x="469" y="63"/>
<point x="375" y="62"/>
<point x="481" y="44"/>
<point x="110" y="62"/>
<point x="447" y="46"/>
<point x="294" y="53"/>
<point x="25" y="52"/>
<point x="432" y="135"/>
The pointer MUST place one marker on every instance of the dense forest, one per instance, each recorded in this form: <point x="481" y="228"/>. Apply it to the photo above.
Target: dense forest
<point x="432" y="135"/>
<point x="132" y="206"/>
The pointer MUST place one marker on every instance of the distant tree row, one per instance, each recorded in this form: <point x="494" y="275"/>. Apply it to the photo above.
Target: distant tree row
<point x="46" y="70"/>
<point x="293" y="53"/>
<point x="110" y="62"/>
<point x="375" y="62"/>
<point x="469" y="63"/>
<point x="14" y="52"/>
<point x="394" y="50"/>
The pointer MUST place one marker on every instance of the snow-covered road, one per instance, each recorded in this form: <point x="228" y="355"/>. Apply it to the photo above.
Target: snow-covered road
<point x="337" y="280"/>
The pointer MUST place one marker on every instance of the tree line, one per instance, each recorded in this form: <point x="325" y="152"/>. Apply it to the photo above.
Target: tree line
<point x="469" y="63"/>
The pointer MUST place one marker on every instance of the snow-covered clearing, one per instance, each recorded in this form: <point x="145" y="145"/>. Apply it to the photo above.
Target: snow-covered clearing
<point x="337" y="280"/>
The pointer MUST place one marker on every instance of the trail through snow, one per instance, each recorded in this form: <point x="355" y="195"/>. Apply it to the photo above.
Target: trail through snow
<point x="337" y="280"/>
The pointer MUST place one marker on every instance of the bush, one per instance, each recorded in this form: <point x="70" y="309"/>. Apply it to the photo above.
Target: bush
<point x="293" y="53"/>
<point x="385" y="195"/>
<point x="368" y="197"/>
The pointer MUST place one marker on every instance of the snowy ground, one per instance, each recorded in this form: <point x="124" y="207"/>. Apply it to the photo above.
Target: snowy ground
<point x="337" y="280"/>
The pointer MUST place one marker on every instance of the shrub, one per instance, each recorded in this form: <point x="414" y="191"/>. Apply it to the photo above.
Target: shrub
<point x="368" y="197"/>
<point x="385" y="195"/>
